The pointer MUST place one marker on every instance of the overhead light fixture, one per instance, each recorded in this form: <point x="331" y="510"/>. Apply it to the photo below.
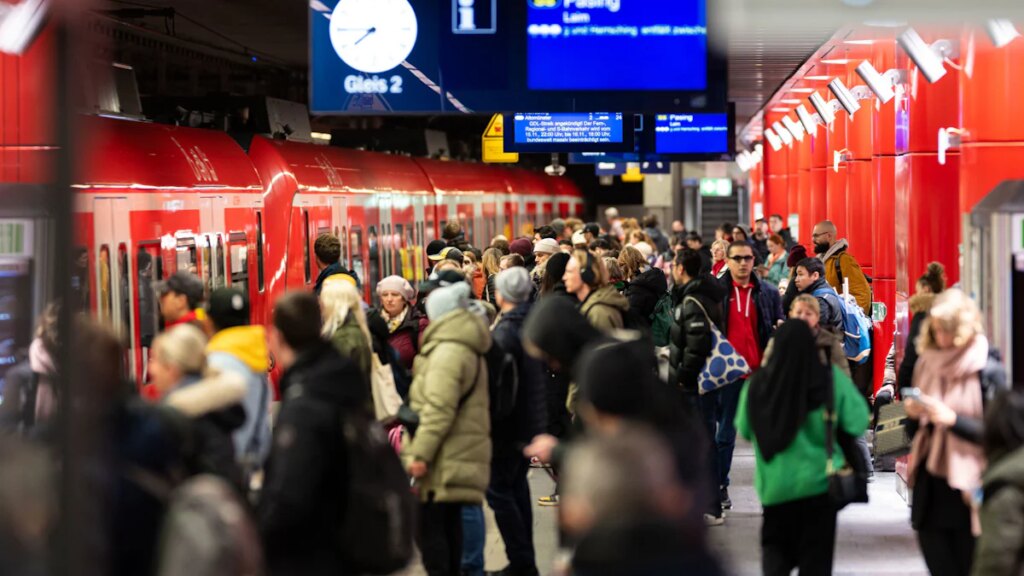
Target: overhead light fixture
<point x="808" y="121"/>
<point x="881" y="84"/>
<point x="836" y="61"/>
<point x="824" y="109"/>
<point x="780" y="110"/>
<point x="818" y="78"/>
<point x="846" y="98"/>
<point x="789" y="101"/>
<point x="929" y="58"/>
<point x="801" y="90"/>
<point x="859" y="42"/>
<point x="794" y="128"/>
<point x="787" y="138"/>
<point x="1001" y="31"/>
<point x="19" y="24"/>
<point x="774" y="141"/>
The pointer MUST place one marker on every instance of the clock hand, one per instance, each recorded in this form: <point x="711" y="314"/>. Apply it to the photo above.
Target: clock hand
<point x="363" y="37"/>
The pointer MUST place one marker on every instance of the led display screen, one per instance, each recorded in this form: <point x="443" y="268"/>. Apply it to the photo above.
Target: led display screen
<point x="692" y="134"/>
<point x="429" y="56"/>
<point x="569" y="131"/>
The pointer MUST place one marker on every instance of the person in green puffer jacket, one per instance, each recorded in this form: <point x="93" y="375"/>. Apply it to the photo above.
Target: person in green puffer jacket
<point x="345" y="327"/>
<point x="586" y="278"/>
<point x="449" y="456"/>
<point x="782" y="411"/>
<point x="1000" y="550"/>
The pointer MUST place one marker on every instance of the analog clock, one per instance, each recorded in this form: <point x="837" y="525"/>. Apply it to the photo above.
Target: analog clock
<point x="373" y="35"/>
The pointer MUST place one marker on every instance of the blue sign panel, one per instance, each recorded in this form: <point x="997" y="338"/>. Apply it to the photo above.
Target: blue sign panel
<point x="609" y="168"/>
<point x="565" y="132"/>
<point x="692" y="134"/>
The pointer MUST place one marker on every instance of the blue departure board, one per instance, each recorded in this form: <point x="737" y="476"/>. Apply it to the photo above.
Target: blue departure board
<point x="568" y="131"/>
<point x="692" y="134"/>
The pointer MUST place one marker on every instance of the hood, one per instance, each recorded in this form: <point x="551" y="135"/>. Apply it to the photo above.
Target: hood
<point x="324" y="373"/>
<point x="1009" y="470"/>
<point x="557" y="330"/>
<point x="460" y="326"/>
<point x="247" y="343"/>
<point x="836" y="248"/>
<point x="706" y="286"/>
<point x="921" y="302"/>
<point x="653" y="280"/>
<point x="196" y="397"/>
<point x="606" y="295"/>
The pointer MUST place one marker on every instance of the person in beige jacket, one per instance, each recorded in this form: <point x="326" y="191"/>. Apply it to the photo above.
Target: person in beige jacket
<point x="449" y="456"/>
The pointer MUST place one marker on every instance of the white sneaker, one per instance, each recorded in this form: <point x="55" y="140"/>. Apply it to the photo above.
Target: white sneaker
<point x="711" y="520"/>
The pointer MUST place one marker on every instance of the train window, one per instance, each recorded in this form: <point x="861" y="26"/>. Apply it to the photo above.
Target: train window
<point x="401" y="249"/>
<point x="207" y="271"/>
<point x="186" y="255"/>
<point x="389" y="249"/>
<point x="80" y="279"/>
<point x="259" y="250"/>
<point x="305" y="245"/>
<point x="222" y="280"/>
<point x="373" y="266"/>
<point x="238" y="261"/>
<point x="126" y="298"/>
<point x="356" y="244"/>
<point x="105" y="299"/>
<point x="147" y="267"/>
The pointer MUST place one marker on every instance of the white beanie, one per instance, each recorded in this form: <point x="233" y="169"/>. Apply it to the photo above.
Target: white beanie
<point x="644" y="248"/>
<point x="441" y="301"/>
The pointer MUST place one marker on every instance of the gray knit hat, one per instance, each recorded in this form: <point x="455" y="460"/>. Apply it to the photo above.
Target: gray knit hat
<point x="447" y="299"/>
<point x="514" y="284"/>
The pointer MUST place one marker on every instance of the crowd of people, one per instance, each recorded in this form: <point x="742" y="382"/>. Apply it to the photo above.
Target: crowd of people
<point x="622" y="360"/>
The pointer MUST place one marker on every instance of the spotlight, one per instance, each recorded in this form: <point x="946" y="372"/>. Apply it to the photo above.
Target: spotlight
<point x="774" y="141"/>
<point x="808" y="121"/>
<point x="19" y="24"/>
<point x="745" y="161"/>
<point x="1001" y="32"/>
<point x="823" y="108"/>
<point x="880" y="84"/>
<point x="845" y="97"/>
<point x="928" y="58"/>
<point x="787" y="138"/>
<point x="794" y="128"/>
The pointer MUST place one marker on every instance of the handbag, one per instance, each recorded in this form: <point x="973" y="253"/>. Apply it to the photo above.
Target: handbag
<point x="891" y="437"/>
<point x="848" y="485"/>
<point x="724" y="365"/>
<point x="386" y="400"/>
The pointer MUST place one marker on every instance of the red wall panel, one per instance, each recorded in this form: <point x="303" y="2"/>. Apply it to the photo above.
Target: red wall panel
<point x="924" y="199"/>
<point x="983" y="167"/>
<point x="860" y="200"/>
<point x="990" y="109"/>
<point x="819" y="196"/>
<point x="884" y="218"/>
<point x="835" y="204"/>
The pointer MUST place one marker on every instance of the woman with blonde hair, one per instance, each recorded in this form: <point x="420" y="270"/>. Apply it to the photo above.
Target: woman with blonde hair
<point x="719" y="249"/>
<point x="491" y="264"/>
<point x="646" y="284"/>
<point x="946" y="459"/>
<point x="586" y="278"/>
<point x="345" y="325"/>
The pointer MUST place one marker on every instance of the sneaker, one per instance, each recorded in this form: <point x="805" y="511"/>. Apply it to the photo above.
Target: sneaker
<point x="712" y="520"/>
<point x="548" y="500"/>
<point x="726" y="501"/>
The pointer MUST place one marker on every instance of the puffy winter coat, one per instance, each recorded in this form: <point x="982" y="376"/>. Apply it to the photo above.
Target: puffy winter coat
<point x="831" y="315"/>
<point x="213" y="406"/>
<point x="406" y="338"/>
<point x="449" y="393"/>
<point x="243" y="351"/>
<point x="690" y="340"/>
<point x="1000" y="550"/>
<point x="529" y="416"/>
<point x="850" y="270"/>
<point x="351" y="343"/>
<point x="604" y="308"/>
<point x="644" y="291"/>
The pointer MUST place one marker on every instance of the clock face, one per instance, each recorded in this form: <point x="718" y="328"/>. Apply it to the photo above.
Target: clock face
<point x="373" y="35"/>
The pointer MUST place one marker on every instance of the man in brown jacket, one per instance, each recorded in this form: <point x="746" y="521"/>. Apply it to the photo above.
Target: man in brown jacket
<point x="840" y="264"/>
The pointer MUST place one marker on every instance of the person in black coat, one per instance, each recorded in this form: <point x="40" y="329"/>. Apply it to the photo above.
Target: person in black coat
<point x="509" y="491"/>
<point x="810" y="279"/>
<point x="645" y="284"/>
<point x="301" y="509"/>
<point x="695" y="243"/>
<point x="690" y="345"/>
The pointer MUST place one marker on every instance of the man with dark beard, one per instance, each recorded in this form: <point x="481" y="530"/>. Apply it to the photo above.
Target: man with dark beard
<point x="840" y="265"/>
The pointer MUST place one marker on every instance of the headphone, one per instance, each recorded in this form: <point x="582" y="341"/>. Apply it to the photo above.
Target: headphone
<point x="587" y="273"/>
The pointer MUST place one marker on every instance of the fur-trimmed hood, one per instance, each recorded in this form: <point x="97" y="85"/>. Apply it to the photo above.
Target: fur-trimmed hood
<point x="197" y="397"/>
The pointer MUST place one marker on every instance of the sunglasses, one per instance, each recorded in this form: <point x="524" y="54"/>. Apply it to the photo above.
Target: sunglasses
<point x="741" y="258"/>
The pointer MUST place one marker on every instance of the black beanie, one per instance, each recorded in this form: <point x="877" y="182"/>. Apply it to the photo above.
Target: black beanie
<point x="618" y="376"/>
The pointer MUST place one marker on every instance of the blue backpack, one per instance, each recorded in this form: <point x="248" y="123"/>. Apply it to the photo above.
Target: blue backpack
<point x="856" y="328"/>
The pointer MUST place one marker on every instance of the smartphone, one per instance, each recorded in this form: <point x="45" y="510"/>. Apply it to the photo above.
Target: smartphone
<point x="910" y="393"/>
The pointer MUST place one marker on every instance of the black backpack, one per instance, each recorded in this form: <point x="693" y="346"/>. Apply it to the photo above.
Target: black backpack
<point x="502" y="381"/>
<point x="380" y="511"/>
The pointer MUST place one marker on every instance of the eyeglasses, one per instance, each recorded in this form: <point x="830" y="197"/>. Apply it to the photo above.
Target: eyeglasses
<point x="741" y="258"/>
<point x="818" y="234"/>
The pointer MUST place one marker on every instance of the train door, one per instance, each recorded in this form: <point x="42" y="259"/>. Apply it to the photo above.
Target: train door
<point x="339" y="226"/>
<point x="114" y="280"/>
<point x="417" y="261"/>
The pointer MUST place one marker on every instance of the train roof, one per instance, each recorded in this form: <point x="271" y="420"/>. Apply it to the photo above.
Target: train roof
<point x="142" y="156"/>
<point x="464" y="178"/>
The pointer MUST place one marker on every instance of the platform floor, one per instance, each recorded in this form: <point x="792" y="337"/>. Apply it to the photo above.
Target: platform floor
<point x="873" y="539"/>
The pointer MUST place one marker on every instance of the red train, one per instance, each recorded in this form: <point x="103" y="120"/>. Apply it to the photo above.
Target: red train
<point x="154" y="199"/>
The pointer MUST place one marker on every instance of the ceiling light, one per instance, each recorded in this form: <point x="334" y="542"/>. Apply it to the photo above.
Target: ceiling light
<point x="928" y="58"/>
<point x="790" y="101"/>
<point x="823" y="108"/>
<point x="1001" y="32"/>
<point x="845" y="97"/>
<point x="836" y="61"/>
<point x="780" y="110"/>
<point x="787" y="138"/>
<point x="794" y="128"/>
<point x="808" y="121"/>
<point x="773" y="140"/>
<point x="859" y="42"/>
<point x="818" y="78"/>
<point x="801" y="90"/>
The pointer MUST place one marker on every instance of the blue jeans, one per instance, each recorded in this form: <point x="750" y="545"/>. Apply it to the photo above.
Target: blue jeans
<point x="719" y="411"/>
<point x="473" y="536"/>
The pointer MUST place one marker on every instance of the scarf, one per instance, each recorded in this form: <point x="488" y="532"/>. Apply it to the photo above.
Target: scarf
<point x="786" y="388"/>
<point x="951" y="376"/>
<point x="394" y="323"/>
<point x="836" y="248"/>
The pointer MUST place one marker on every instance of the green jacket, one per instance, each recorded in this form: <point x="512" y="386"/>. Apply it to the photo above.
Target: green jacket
<point x="1000" y="549"/>
<point x="351" y="343"/>
<point x="449" y="392"/>
<point x="604" y="308"/>
<point x="799" y="471"/>
<point x="778" y="271"/>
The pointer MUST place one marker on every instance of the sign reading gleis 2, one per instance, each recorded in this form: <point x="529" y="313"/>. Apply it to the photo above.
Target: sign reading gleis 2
<point x="490" y="55"/>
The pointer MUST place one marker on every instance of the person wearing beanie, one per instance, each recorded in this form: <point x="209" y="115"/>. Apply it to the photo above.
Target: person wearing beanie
<point x="521" y="246"/>
<point x="509" y="491"/>
<point x="236" y="347"/>
<point x="544" y="248"/>
<point x="554" y="270"/>
<point x="796" y="254"/>
<point x="449" y="454"/>
<point x="405" y="324"/>
<point x="579" y="240"/>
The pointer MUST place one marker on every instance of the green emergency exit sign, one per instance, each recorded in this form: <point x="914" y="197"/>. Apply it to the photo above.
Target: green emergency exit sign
<point x="720" y="187"/>
<point x="12" y="238"/>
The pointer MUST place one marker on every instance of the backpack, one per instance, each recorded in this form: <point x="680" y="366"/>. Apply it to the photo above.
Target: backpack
<point x="661" y="320"/>
<point x="856" y="327"/>
<point x="502" y="381"/>
<point x="208" y="532"/>
<point x="377" y="534"/>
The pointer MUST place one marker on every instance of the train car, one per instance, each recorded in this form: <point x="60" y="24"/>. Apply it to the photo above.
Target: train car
<point x="154" y="199"/>
<point x="474" y="194"/>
